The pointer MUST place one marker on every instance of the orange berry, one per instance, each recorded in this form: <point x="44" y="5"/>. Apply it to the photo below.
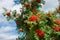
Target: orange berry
<point x="48" y="14"/>
<point x="57" y="21"/>
<point x="38" y="15"/>
<point x="56" y="28"/>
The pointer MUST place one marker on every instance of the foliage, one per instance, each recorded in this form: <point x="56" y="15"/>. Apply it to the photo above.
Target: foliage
<point x="34" y="23"/>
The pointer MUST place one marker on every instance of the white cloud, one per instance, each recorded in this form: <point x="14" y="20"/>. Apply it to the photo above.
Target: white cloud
<point x="17" y="8"/>
<point x="3" y="20"/>
<point x="50" y="5"/>
<point x="7" y="29"/>
<point x="6" y="3"/>
<point x="4" y="36"/>
<point x="7" y="36"/>
<point x="6" y="32"/>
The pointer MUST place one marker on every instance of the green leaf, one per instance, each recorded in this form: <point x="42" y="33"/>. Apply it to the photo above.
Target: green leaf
<point x="36" y="37"/>
<point x="14" y="13"/>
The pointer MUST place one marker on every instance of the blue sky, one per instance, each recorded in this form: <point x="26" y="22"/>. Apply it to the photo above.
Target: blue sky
<point x="8" y="28"/>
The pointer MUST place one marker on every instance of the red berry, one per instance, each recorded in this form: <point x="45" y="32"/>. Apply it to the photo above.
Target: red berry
<point x="33" y="18"/>
<point x="38" y="1"/>
<point x="8" y="13"/>
<point x="34" y="10"/>
<point x="19" y="23"/>
<point x="59" y="7"/>
<point x="40" y="33"/>
<point x="59" y="29"/>
<point x="57" y="21"/>
<point x="32" y="1"/>
<point x="27" y="5"/>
